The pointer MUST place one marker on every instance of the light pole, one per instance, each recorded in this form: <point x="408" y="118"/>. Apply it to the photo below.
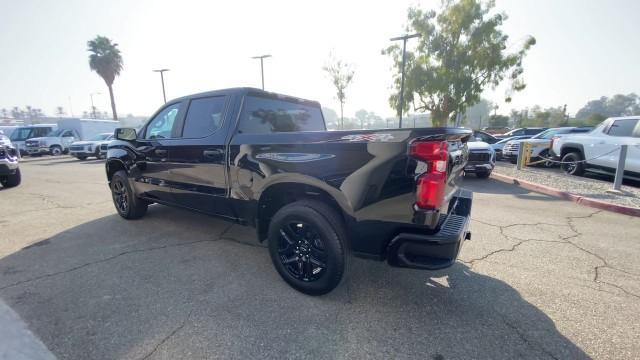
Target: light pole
<point x="261" y="57"/>
<point x="161" y="71"/>
<point x="93" y="108"/>
<point x="404" y="39"/>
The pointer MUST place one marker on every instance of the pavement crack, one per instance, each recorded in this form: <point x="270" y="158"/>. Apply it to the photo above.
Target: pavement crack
<point x="171" y="334"/>
<point x="78" y="267"/>
<point x="526" y="340"/>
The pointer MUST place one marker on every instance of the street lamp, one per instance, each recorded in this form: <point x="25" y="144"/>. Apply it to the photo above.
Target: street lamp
<point x="161" y="71"/>
<point x="261" y="57"/>
<point x="93" y="108"/>
<point x="404" y="39"/>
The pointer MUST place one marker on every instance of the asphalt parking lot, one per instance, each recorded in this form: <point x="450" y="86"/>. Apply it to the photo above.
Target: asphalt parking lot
<point x="541" y="278"/>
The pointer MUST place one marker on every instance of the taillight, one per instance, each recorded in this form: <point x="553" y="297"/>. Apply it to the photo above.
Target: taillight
<point x="430" y="185"/>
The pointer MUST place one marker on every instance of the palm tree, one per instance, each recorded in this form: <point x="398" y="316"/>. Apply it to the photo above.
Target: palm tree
<point x="105" y="59"/>
<point x="4" y="112"/>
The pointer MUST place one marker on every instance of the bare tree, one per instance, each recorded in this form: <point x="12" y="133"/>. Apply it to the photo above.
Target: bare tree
<point x="341" y="75"/>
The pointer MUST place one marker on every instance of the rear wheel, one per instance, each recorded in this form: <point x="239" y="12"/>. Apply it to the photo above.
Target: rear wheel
<point x="55" y="150"/>
<point x="545" y="155"/>
<point x="81" y="157"/>
<point x="570" y="164"/>
<point x="307" y="244"/>
<point x="128" y="205"/>
<point x="11" y="180"/>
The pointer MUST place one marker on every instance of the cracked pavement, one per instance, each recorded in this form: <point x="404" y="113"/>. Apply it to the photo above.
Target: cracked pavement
<point x="542" y="278"/>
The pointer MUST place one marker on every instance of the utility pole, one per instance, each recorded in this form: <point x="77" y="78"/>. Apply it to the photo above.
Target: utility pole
<point x="161" y="71"/>
<point x="261" y="57"/>
<point x="404" y="39"/>
<point x="93" y="108"/>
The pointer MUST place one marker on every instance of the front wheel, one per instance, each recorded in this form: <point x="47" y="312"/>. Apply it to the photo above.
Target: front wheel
<point x="307" y="244"/>
<point x="11" y="180"/>
<point x="572" y="164"/>
<point x="483" y="175"/>
<point x="128" y="205"/>
<point x="55" y="150"/>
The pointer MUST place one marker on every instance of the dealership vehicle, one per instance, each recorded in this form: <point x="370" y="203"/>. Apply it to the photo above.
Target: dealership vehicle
<point x="542" y="143"/>
<point x="482" y="159"/>
<point x="266" y="160"/>
<point x="9" y="170"/>
<point x="497" y="147"/>
<point x="598" y="151"/>
<point x="522" y="131"/>
<point x="7" y="130"/>
<point x="23" y="133"/>
<point x="68" y="131"/>
<point x="88" y="148"/>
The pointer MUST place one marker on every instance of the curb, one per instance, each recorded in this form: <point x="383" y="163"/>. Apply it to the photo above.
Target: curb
<point x="579" y="199"/>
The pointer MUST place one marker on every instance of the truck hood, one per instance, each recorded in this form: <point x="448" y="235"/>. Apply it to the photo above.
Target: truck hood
<point x="86" y="142"/>
<point x="478" y="145"/>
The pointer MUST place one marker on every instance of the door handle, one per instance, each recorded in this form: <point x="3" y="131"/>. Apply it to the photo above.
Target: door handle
<point x="161" y="152"/>
<point x="212" y="153"/>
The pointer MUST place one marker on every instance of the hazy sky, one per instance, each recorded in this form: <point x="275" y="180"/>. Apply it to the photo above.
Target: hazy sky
<point x="585" y="49"/>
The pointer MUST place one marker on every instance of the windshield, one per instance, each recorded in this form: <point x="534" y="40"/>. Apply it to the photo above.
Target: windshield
<point x="507" y="139"/>
<point x="548" y="134"/>
<point x="100" y="137"/>
<point x="21" y="134"/>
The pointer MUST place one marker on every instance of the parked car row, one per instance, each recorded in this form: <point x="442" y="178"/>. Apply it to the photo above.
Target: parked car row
<point x="56" y="139"/>
<point x="542" y="141"/>
<point x="598" y="151"/>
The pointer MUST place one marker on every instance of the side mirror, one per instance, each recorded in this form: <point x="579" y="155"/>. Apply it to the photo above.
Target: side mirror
<point x="125" y="134"/>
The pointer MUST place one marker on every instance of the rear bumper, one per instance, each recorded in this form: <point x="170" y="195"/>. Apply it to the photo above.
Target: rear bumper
<point x="439" y="250"/>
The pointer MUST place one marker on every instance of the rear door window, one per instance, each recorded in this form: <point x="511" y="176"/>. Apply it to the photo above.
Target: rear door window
<point x="262" y="115"/>
<point x="204" y="117"/>
<point x="623" y="127"/>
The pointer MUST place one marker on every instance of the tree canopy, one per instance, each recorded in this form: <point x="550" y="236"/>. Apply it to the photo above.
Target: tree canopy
<point x="461" y="51"/>
<point x="604" y="107"/>
<point x="106" y="60"/>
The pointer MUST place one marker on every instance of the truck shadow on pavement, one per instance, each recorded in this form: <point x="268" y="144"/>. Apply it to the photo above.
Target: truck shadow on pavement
<point x="182" y="285"/>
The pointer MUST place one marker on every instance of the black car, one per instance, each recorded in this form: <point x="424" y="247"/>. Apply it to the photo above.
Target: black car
<point x="266" y="160"/>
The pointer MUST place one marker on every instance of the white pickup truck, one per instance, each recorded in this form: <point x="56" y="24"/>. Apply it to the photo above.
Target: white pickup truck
<point x="599" y="150"/>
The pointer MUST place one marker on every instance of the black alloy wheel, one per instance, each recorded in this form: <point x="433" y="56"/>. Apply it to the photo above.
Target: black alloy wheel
<point x="301" y="251"/>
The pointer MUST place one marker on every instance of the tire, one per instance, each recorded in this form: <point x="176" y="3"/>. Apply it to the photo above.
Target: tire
<point x="545" y="154"/>
<point x="82" y="158"/>
<point x="11" y="180"/>
<point x="55" y="150"/>
<point x="483" y="175"/>
<point x="513" y="161"/>
<point x="127" y="204"/>
<point x="308" y="248"/>
<point x="97" y="153"/>
<point x="576" y="169"/>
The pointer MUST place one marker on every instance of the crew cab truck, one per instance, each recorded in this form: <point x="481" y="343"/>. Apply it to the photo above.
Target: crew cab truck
<point x="598" y="151"/>
<point x="266" y="160"/>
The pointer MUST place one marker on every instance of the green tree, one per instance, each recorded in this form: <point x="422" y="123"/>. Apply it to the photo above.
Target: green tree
<point x="498" y="121"/>
<point x="461" y="52"/>
<point x="341" y="75"/>
<point x="106" y="60"/>
<point x="618" y="105"/>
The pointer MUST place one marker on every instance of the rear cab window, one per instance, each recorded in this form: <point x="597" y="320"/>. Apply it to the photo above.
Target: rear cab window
<point x="264" y="114"/>
<point x="622" y="127"/>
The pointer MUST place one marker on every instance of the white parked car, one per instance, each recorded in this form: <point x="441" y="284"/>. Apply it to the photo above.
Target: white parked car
<point x="543" y="140"/>
<point x="89" y="148"/>
<point x="482" y="159"/>
<point x="599" y="150"/>
<point x="4" y="140"/>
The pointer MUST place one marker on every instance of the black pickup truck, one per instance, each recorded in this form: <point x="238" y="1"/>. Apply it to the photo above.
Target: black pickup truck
<point x="266" y="160"/>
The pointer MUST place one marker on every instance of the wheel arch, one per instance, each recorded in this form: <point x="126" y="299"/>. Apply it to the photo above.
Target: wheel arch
<point x="114" y="165"/>
<point x="571" y="147"/>
<point x="277" y="195"/>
